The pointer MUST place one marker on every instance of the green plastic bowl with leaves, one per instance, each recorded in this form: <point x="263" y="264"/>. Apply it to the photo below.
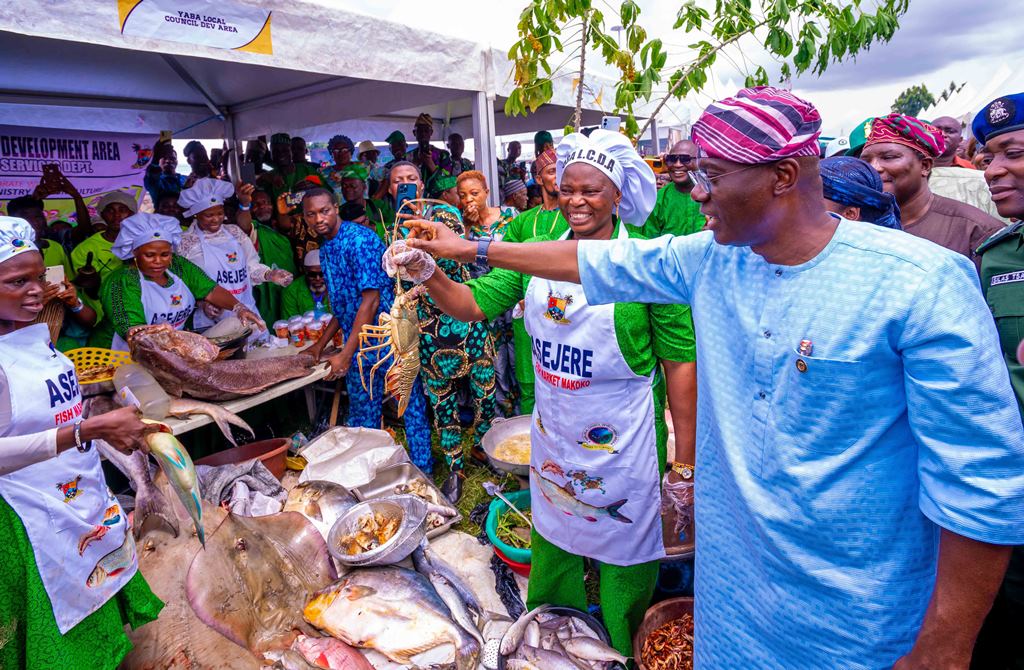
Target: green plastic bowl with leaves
<point x="521" y="499"/>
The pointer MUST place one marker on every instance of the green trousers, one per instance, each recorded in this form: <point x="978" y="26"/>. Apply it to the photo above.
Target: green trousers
<point x="523" y="347"/>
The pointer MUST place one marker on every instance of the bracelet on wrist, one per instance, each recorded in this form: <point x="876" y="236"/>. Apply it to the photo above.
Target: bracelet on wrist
<point x="77" y="308"/>
<point x="82" y="447"/>
<point x="244" y="208"/>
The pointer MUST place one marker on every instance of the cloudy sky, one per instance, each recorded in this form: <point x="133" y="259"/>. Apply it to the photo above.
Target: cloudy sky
<point x="939" y="41"/>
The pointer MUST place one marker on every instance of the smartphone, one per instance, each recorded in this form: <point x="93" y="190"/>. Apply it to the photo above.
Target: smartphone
<point x="51" y="174"/>
<point x="611" y="123"/>
<point x="55" y="274"/>
<point x="405" y="193"/>
<point x="248" y="171"/>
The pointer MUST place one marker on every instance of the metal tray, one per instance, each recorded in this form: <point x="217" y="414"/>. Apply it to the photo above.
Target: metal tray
<point x="383" y="486"/>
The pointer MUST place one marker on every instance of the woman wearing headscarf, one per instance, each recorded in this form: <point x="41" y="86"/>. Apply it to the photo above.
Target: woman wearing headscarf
<point x="156" y="285"/>
<point x="70" y="580"/>
<point x="598" y="442"/>
<point x="854" y="191"/>
<point x="222" y="250"/>
<point x="484" y="222"/>
<point x="342" y="149"/>
<point x="903" y="150"/>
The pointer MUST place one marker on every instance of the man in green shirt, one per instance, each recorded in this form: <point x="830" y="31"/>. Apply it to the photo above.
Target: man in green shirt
<point x="114" y="207"/>
<point x="286" y="174"/>
<point x="675" y="212"/>
<point x="275" y="251"/>
<point x="379" y="214"/>
<point x="545" y="221"/>
<point x="307" y="293"/>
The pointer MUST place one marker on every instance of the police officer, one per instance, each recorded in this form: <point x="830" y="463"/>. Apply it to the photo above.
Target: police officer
<point x="1000" y="128"/>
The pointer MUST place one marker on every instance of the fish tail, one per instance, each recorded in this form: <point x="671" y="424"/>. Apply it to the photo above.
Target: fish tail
<point x="613" y="511"/>
<point x="467" y="654"/>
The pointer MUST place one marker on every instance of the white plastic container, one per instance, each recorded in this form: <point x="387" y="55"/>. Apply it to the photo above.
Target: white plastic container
<point x="135" y="386"/>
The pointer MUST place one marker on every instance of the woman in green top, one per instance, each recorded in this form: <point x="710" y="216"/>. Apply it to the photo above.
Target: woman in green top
<point x="158" y="286"/>
<point x="598" y="440"/>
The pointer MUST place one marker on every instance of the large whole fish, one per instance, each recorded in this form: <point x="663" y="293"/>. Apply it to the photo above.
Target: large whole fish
<point x="256" y="575"/>
<point x="459" y="598"/>
<point x="392" y="610"/>
<point x="177" y="466"/>
<point x="181" y="364"/>
<point x="327" y="652"/>
<point x="321" y="502"/>
<point x="564" y="498"/>
<point x="178" y="640"/>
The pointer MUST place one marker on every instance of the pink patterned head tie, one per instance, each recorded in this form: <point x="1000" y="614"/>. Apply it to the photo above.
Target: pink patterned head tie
<point x="758" y="125"/>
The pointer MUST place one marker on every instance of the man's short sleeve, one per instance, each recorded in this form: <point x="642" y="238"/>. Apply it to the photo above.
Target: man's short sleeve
<point x="672" y="333"/>
<point x="193" y="276"/>
<point x="962" y="410"/>
<point x="497" y="291"/>
<point x="661" y="270"/>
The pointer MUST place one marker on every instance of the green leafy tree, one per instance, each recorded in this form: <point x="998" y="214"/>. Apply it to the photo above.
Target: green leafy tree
<point x="799" y="35"/>
<point x="914" y="99"/>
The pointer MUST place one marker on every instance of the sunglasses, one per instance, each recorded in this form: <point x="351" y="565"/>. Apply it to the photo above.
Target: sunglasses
<point x="677" y="158"/>
<point x="315" y="275"/>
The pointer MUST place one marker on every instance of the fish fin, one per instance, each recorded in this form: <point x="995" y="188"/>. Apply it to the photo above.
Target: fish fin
<point x="567" y="487"/>
<point x="467" y="654"/>
<point x="355" y="592"/>
<point x="313" y="511"/>
<point x="613" y="511"/>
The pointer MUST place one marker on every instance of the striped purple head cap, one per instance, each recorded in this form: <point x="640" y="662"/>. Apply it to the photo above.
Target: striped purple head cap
<point x="758" y="125"/>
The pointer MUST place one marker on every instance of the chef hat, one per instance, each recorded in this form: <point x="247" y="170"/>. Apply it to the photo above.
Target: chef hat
<point x="16" y="236"/>
<point x="614" y="155"/>
<point x="204" y="194"/>
<point x="142" y="228"/>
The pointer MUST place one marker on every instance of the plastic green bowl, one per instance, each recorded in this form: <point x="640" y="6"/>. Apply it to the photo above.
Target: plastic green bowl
<point x="520" y="499"/>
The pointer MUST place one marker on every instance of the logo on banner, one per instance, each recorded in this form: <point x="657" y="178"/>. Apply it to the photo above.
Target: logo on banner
<point x="143" y="155"/>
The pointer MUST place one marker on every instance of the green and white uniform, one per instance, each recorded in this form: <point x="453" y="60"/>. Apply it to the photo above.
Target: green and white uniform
<point x="275" y="252"/>
<point x="599" y="437"/>
<point x="536" y="222"/>
<point x="103" y="259"/>
<point x="130" y="300"/>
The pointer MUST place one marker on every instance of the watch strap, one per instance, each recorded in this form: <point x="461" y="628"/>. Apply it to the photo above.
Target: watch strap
<point x="482" y="246"/>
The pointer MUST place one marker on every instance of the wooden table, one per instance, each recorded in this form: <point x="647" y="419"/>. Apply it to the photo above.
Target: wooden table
<point x="179" y="426"/>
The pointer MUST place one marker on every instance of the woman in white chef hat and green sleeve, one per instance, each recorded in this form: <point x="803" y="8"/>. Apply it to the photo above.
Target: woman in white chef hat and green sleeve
<point x="223" y="250"/>
<point x="156" y="285"/>
<point x="69" y="582"/>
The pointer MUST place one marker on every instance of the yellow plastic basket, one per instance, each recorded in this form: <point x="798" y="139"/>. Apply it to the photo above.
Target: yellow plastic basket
<point x="85" y="358"/>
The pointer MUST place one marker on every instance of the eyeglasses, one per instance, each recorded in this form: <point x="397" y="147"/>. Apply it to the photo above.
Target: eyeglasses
<point x="701" y="178"/>
<point x="682" y="159"/>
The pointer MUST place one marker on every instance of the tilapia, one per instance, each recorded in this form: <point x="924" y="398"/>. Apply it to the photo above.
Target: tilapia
<point x="319" y="501"/>
<point x="177" y="466"/>
<point x="114" y="563"/>
<point x="183" y="366"/>
<point x="256" y="575"/>
<point x="461" y="601"/>
<point x="178" y="640"/>
<point x="564" y="499"/>
<point x="392" y="610"/>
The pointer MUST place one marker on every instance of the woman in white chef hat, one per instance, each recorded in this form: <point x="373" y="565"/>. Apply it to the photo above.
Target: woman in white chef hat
<point x="223" y="250"/>
<point x="158" y="285"/>
<point x="598" y="441"/>
<point x="69" y="582"/>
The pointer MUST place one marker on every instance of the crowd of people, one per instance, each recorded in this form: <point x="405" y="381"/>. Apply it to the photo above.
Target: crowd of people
<point x="846" y="388"/>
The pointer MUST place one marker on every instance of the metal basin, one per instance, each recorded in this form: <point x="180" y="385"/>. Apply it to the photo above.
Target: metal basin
<point x="502" y="429"/>
<point x="409" y="510"/>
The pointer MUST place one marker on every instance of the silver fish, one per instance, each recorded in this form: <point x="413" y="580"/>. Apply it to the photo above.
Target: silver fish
<point x="514" y="635"/>
<point x="114" y="563"/>
<point x="319" y="501"/>
<point x="589" y="649"/>
<point x="456" y="595"/>
<point x="563" y="498"/>
<point x="393" y="610"/>
<point x="549" y="660"/>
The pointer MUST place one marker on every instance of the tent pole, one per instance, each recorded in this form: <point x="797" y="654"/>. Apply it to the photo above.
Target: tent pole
<point x="234" y="159"/>
<point x="655" y="140"/>
<point x="483" y="138"/>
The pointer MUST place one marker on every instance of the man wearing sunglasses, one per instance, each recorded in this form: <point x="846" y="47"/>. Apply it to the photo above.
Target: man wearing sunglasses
<point x="309" y="294"/>
<point x="675" y="212"/>
<point x="860" y="452"/>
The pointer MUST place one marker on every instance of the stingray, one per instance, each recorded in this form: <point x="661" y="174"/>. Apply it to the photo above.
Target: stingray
<point x="178" y="640"/>
<point x="256" y="575"/>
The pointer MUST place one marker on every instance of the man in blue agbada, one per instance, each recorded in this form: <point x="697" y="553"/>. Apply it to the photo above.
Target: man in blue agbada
<point x="859" y="449"/>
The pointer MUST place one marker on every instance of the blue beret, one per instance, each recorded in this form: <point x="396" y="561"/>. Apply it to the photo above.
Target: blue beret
<point x="1002" y="115"/>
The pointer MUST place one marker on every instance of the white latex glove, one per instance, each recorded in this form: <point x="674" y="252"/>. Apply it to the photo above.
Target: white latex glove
<point x="413" y="265"/>
<point x="280" y="277"/>
<point x="211" y="310"/>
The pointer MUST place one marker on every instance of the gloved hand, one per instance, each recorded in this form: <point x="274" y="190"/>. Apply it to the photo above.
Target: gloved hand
<point x="280" y="277"/>
<point x="410" y="264"/>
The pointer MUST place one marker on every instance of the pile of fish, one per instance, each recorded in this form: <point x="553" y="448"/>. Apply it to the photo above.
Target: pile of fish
<point x="186" y="363"/>
<point x="403" y="614"/>
<point x="544" y="639"/>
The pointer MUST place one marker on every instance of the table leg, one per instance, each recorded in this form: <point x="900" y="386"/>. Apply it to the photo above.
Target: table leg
<point x="310" y="403"/>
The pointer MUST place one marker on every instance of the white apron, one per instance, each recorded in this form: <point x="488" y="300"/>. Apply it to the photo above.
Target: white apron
<point x="78" y="532"/>
<point x="171" y="304"/>
<point x="224" y="261"/>
<point x="594" y="460"/>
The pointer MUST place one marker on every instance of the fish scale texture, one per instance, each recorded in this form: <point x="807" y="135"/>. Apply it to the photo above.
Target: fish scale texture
<point x="824" y="478"/>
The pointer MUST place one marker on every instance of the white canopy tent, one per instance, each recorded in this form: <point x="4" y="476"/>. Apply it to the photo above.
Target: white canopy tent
<point x="67" y="65"/>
